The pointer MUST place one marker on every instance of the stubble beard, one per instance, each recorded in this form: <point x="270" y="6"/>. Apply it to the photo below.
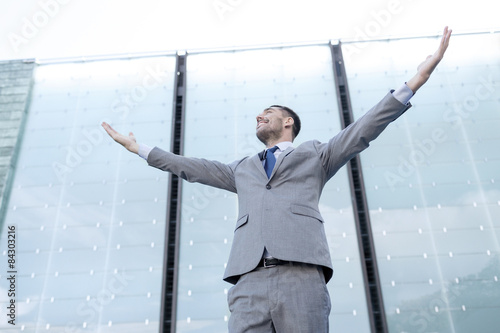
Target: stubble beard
<point x="266" y="135"/>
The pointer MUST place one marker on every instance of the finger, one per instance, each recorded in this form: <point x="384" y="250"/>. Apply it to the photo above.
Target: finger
<point x="445" y="31"/>
<point x="448" y="35"/>
<point x="108" y="128"/>
<point x="445" y="40"/>
<point x="443" y="45"/>
<point x="106" y="125"/>
<point x="443" y="37"/>
<point x="112" y="133"/>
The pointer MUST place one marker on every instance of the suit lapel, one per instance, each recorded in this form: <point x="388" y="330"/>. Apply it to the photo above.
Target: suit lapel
<point x="257" y="161"/>
<point x="280" y="160"/>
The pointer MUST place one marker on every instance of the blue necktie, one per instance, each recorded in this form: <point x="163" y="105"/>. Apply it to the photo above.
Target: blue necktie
<point x="270" y="161"/>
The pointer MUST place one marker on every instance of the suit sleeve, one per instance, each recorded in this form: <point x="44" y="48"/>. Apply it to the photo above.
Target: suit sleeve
<point x="199" y="170"/>
<point x="357" y="136"/>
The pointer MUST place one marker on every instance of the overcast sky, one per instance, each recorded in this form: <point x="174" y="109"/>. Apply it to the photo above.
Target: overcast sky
<point x="71" y="28"/>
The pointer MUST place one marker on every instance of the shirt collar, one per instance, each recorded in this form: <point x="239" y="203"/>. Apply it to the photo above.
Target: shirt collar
<point x="284" y="145"/>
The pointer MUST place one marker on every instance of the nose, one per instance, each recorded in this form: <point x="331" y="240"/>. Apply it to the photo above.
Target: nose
<point x="259" y="118"/>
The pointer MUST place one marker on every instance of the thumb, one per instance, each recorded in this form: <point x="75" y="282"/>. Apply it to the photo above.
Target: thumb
<point x="424" y="62"/>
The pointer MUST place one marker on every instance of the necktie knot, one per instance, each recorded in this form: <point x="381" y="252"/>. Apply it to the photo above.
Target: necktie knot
<point x="270" y="161"/>
<point x="272" y="150"/>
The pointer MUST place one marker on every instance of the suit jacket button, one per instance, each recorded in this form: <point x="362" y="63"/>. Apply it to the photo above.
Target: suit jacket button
<point x="268" y="186"/>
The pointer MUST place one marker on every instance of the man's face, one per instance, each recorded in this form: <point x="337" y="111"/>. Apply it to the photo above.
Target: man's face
<point x="270" y="124"/>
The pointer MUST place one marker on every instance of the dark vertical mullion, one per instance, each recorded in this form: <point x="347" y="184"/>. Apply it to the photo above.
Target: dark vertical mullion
<point x="366" y="245"/>
<point x="172" y="230"/>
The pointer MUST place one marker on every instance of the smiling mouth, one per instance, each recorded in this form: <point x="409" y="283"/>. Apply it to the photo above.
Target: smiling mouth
<point x="261" y="122"/>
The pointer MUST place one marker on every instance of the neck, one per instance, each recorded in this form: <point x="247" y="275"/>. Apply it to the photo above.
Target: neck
<point x="276" y="143"/>
<point x="272" y="143"/>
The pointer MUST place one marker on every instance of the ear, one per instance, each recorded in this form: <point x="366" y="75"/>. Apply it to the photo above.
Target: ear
<point x="289" y="121"/>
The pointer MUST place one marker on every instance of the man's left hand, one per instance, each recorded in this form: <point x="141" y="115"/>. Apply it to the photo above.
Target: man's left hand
<point x="425" y="69"/>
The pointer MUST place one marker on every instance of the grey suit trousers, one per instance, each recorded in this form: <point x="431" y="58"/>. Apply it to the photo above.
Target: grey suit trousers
<point x="285" y="299"/>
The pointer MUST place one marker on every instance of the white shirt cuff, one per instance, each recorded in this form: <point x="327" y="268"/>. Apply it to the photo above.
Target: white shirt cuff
<point x="144" y="151"/>
<point x="403" y="94"/>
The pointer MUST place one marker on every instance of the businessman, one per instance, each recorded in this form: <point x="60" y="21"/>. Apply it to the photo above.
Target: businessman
<point x="279" y="261"/>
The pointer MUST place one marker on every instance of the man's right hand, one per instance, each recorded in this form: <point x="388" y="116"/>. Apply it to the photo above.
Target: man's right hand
<point x="128" y="142"/>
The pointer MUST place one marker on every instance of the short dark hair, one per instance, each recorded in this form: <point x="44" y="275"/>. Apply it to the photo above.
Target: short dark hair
<point x="295" y="117"/>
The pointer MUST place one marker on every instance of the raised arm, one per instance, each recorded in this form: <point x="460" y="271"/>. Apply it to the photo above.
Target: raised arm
<point x="425" y="69"/>
<point x="212" y="173"/>
<point x="357" y="136"/>
<point x="128" y="142"/>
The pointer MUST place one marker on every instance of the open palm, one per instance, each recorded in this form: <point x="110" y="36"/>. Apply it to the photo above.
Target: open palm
<point x="128" y="142"/>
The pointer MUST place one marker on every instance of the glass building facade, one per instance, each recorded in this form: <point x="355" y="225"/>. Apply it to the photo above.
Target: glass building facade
<point x="432" y="186"/>
<point x="91" y="217"/>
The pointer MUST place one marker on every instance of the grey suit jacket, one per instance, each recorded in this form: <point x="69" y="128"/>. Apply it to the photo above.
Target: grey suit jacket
<point x="281" y="213"/>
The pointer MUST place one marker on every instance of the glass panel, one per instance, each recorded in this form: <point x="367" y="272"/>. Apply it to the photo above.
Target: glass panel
<point x="432" y="183"/>
<point x="225" y="92"/>
<point x="90" y="216"/>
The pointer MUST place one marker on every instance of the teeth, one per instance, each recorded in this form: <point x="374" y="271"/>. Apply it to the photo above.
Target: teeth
<point x="261" y="122"/>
